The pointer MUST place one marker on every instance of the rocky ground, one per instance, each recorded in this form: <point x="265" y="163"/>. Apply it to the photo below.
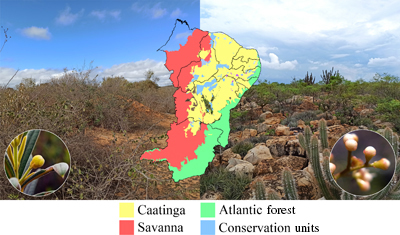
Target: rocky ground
<point x="267" y="159"/>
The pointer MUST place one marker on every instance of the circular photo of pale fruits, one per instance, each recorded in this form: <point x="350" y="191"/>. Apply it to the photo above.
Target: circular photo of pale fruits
<point x="37" y="163"/>
<point x="362" y="162"/>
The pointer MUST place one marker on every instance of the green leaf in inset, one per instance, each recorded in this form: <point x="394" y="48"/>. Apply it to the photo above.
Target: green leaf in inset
<point x="8" y="167"/>
<point x="37" y="174"/>
<point x="32" y="137"/>
<point x="28" y="163"/>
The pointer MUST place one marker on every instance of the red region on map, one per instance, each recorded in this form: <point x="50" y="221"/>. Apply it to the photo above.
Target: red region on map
<point x="182" y="103"/>
<point x="179" y="146"/>
<point x="182" y="144"/>
<point x="176" y="60"/>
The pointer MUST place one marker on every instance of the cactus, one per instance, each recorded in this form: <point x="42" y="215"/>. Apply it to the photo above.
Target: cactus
<point x="326" y="183"/>
<point x="323" y="133"/>
<point x="395" y="144"/>
<point x="388" y="134"/>
<point x="260" y="190"/>
<point x="326" y="77"/>
<point x="332" y="186"/>
<point x="289" y="185"/>
<point x="319" y="175"/>
<point x="273" y="195"/>
<point x="347" y="196"/>
<point x="392" y="190"/>
<point x="322" y="173"/>
<point x="309" y="80"/>
<point x="304" y="140"/>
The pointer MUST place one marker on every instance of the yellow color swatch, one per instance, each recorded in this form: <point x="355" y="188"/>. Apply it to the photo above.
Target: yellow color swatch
<point x="126" y="210"/>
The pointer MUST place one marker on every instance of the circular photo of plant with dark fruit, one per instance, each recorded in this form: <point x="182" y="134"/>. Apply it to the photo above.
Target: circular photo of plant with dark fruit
<point x="363" y="162"/>
<point x="37" y="162"/>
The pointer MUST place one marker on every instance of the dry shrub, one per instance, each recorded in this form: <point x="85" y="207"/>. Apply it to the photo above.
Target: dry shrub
<point x="71" y="104"/>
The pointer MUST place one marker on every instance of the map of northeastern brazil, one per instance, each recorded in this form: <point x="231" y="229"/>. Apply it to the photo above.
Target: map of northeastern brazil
<point x="212" y="72"/>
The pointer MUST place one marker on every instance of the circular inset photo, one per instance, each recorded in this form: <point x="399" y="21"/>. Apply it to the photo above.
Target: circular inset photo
<point x="37" y="162"/>
<point x="362" y="162"/>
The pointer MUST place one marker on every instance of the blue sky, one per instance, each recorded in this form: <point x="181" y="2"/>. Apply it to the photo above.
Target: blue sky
<point x="359" y="38"/>
<point x="120" y="37"/>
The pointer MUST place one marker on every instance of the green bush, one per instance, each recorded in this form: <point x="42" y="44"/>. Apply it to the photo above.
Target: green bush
<point x="258" y="139"/>
<point x="306" y="116"/>
<point x="242" y="148"/>
<point x="391" y="112"/>
<point x="219" y="179"/>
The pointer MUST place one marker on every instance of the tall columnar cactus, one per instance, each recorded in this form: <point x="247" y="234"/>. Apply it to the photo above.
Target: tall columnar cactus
<point x="388" y="134"/>
<point x="392" y="190"/>
<point x="326" y="76"/>
<point x="395" y="144"/>
<point x="262" y="194"/>
<point x="305" y="139"/>
<point x="309" y="80"/>
<point x="327" y="184"/>
<point x="273" y="195"/>
<point x="322" y="171"/>
<point x="319" y="170"/>
<point x="347" y="196"/>
<point x="260" y="190"/>
<point x="289" y="185"/>
<point x="323" y="133"/>
<point x="393" y="139"/>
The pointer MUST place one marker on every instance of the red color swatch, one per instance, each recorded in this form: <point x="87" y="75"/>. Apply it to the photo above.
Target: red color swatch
<point x="126" y="227"/>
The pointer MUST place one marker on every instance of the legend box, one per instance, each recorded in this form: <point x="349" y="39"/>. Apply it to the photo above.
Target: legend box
<point x="207" y="210"/>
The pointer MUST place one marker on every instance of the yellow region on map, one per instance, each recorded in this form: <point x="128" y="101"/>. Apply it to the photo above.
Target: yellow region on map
<point x="219" y="80"/>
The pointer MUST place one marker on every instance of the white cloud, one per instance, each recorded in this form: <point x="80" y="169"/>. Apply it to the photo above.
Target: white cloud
<point x="157" y="11"/>
<point x="389" y="61"/>
<point x="353" y="23"/>
<point x="353" y="74"/>
<point x="116" y="14"/>
<point x="318" y="31"/>
<point x="154" y="12"/>
<point x="137" y="8"/>
<point x="176" y="13"/>
<point x="67" y="18"/>
<point x="318" y="63"/>
<point x="132" y="71"/>
<point x="101" y="15"/>
<point x="275" y="64"/>
<point x="262" y="50"/>
<point x="336" y="56"/>
<point x="36" y="33"/>
<point x="37" y="74"/>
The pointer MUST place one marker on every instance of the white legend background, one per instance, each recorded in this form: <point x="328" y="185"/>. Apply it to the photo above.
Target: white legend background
<point x="102" y="217"/>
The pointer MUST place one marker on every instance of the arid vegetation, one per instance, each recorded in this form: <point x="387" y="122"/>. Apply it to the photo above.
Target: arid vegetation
<point x="106" y="125"/>
<point x="265" y="126"/>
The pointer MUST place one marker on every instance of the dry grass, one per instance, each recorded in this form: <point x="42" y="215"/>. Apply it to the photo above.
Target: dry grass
<point x="73" y="105"/>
